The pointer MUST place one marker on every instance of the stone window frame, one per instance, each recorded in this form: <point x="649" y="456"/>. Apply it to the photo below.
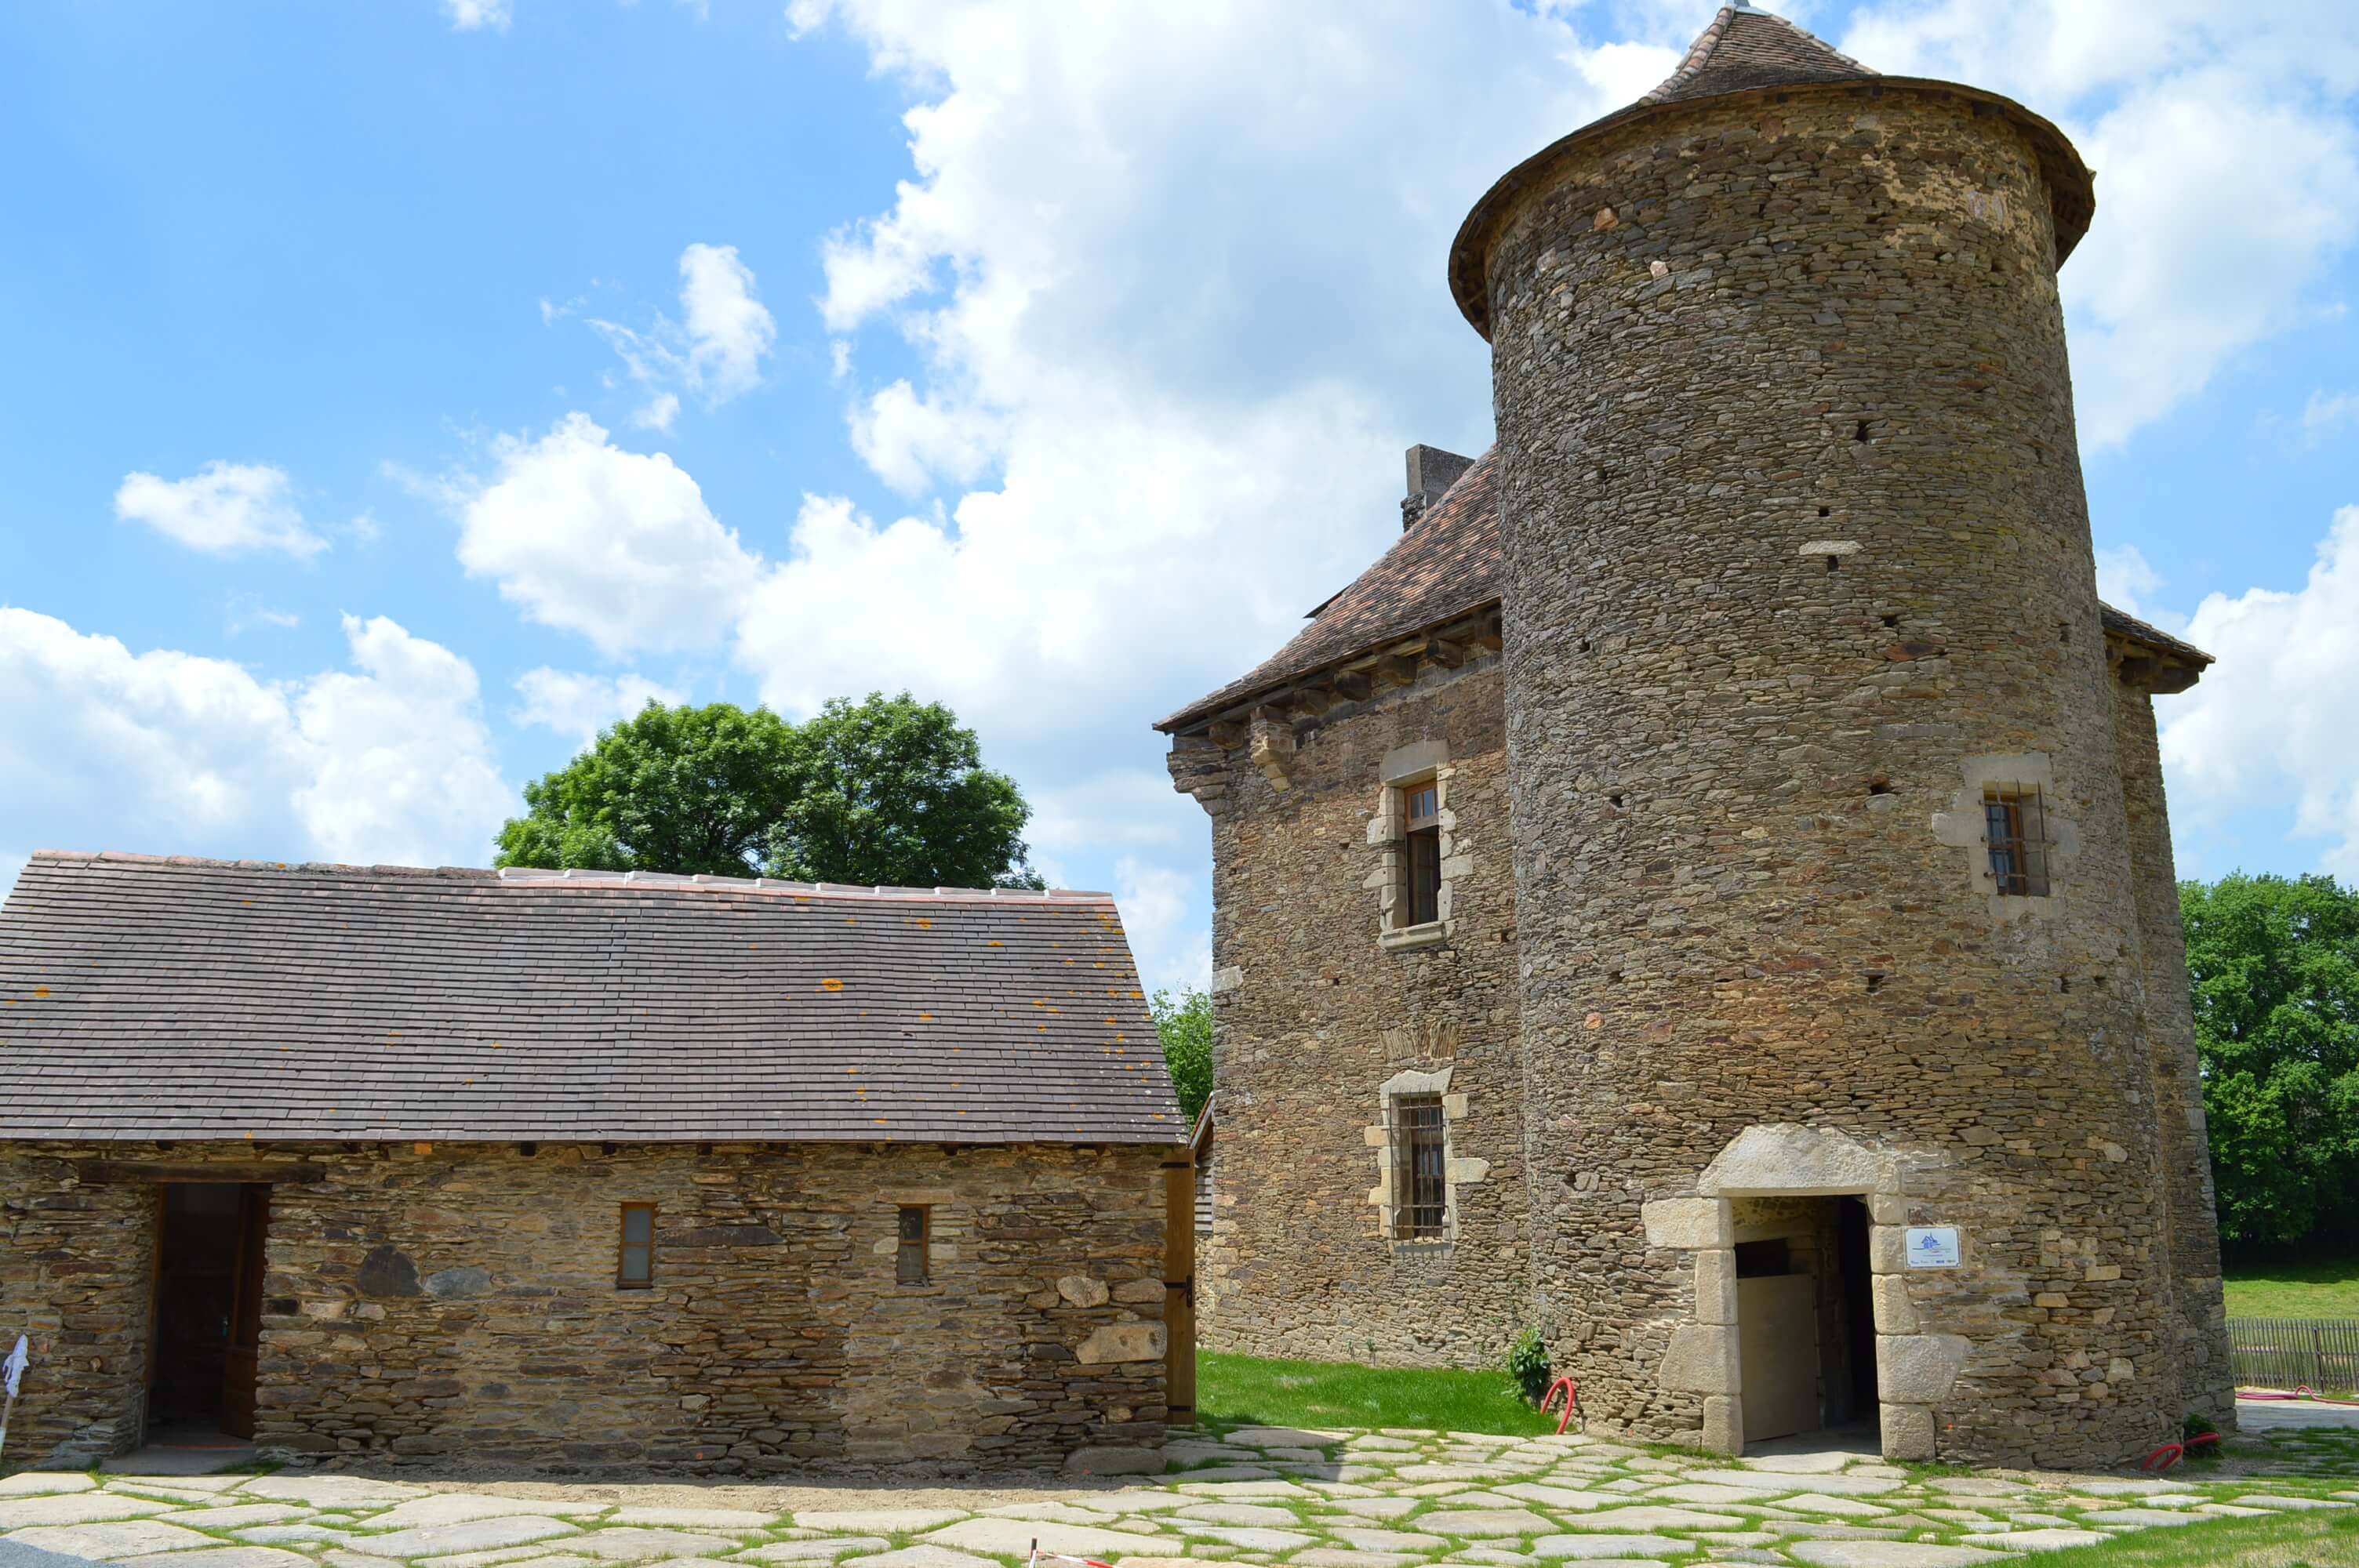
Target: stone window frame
<point x="1915" y="1371"/>
<point x="1459" y="1172"/>
<point x="1403" y="768"/>
<point x="1964" y="825"/>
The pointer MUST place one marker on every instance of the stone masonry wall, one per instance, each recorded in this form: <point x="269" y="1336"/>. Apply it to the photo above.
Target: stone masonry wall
<point x="1315" y="1014"/>
<point x="1797" y="561"/>
<point x="432" y="1300"/>
<point x="2206" y="1381"/>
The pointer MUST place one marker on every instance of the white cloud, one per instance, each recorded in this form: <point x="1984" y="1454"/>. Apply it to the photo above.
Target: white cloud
<point x="715" y="351"/>
<point x="1154" y="901"/>
<point x="2324" y="414"/>
<point x="221" y="509"/>
<point x="165" y="752"/>
<point x="2125" y="579"/>
<point x="469" y="15"/>
<point x="2227" y="161"/>
<point x="614" y="544"/>
<point x="578" y="706"/>
<point x="248" y="613"/>
<point x="729" y="331"/>
<point x="2276" y="721"/>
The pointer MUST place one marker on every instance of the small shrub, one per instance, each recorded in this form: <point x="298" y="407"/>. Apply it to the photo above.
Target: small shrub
<point x="1528" y="1366"/>
<point x="2194" y="1427"/>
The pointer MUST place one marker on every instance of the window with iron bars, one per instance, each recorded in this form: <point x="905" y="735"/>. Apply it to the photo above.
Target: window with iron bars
<point x="1420" y="854"/>
<point x="2014" y="826"/>
<point x="1420" y="1169"/>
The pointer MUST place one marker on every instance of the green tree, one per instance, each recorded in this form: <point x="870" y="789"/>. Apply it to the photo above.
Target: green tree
<point x="693" y="790"/>
<point x="889" y="790"/>
<point x="2274" y="964"/>
<point x="892" y="791"/>
<point x="1185" y="1023"/>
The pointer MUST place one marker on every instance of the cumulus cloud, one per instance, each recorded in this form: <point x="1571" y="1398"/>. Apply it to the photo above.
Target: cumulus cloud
<point x="168" y="751"/>
<point x="221" y="509"/>
<point x="618" y="546"/>
<point x="578" y="706"/>
<point x="470" y="16"/>
<point x="2126" y="580"/>
<point x="2228" y="166"/>
<point x="2272" y="722"/>
<point x="715" y="351"/>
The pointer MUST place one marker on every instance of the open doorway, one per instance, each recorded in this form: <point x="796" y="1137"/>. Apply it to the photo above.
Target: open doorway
<point x="205" y="1328"/>
<point x="1806" y="1329"/>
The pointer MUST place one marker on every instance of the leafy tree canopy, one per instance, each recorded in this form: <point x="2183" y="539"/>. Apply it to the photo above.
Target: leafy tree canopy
<point x="888" y="791"/>
<point x="2274" y="964"/>
<point x="1185" y="1023"/>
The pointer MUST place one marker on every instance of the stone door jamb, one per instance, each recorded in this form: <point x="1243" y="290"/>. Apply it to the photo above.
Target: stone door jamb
<point x="1914" y="1370"/>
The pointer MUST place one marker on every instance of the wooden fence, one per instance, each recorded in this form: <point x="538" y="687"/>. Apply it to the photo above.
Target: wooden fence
<point x="2287" y="1352"/>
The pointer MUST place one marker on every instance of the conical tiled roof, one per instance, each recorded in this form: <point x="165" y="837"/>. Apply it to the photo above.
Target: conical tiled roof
<point x="1744" y="48"/>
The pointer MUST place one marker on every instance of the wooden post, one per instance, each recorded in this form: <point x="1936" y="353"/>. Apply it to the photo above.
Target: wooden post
<point x="1179" y="1287"/>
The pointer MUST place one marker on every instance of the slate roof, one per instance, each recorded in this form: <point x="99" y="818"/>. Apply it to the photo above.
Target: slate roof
<point x="1448" y="565"/>
<point x="1443" y="567"/>
<point x="183" y="999"/>
<point x="1743" y="51"/>
<point x="1747" y="48"/>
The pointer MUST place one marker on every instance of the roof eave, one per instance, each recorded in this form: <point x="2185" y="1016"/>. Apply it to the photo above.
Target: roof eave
<point x="2072" y="188"/>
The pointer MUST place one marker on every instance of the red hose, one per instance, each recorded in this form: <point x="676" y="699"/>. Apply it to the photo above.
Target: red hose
<point x="2170" y="1454"/>
<point x="1564" y="1420"/>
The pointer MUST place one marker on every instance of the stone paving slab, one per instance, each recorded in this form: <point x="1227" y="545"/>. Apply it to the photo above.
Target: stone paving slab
<point x="1418" y="1501"/>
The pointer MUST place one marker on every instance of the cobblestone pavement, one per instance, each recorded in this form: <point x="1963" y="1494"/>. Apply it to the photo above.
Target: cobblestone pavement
<point x="1393" y="1499"/>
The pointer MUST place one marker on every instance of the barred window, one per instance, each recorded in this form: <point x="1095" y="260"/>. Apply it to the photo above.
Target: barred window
<point x="2014" y="826"/>
<point x="1421" y="856"/>
<point x="1421" y="1168"/>
<point x="910" y="1261"/>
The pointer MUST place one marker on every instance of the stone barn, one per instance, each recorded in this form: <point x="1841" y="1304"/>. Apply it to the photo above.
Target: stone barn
<point x="579" y="1169"/>
<point x="1706" y="890"/>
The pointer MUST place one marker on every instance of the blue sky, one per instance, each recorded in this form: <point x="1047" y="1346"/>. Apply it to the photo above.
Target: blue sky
<point x="402" y="390"/>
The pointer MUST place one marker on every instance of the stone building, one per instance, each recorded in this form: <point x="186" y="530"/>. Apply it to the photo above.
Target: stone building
<point x="1706" y="890"/>
<point x="579" y="1169"/>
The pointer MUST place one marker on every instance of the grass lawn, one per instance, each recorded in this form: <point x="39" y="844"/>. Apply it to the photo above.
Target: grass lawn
<point x="2288" y="1541"/>
<point x="1245" y="1390"/>
<point x="2294" y="1290"/>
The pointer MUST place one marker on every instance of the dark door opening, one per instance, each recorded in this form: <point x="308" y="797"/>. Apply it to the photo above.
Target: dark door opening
<point x="207" y="1322"/>
<point x="1858" y="1303"/>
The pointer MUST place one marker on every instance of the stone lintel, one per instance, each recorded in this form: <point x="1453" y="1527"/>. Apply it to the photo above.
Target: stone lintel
<point x="1687" y="1223"/>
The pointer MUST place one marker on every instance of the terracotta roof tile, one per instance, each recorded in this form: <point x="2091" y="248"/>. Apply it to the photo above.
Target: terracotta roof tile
<point x="144" y="998"/>
<point x="1441" y="568"/>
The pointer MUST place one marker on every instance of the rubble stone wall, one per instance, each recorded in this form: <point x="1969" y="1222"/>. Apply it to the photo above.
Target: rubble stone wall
<point x="1316" y="1014"/>
<point x="1797" y="561"/>
<point x="2207" y="1381"/>
<point x="424" y="1302"/>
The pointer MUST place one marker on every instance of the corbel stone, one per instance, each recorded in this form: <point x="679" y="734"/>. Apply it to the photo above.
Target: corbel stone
<point x="1270" y="747"/>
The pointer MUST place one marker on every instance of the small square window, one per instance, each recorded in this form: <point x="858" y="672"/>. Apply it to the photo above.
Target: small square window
<point x="1421" y="854"/>
<point x="911" y="1262"/>
<point x="1420" y="1169"/>
<point x="2015" y="828"/>
<point x="635" y="1269"/>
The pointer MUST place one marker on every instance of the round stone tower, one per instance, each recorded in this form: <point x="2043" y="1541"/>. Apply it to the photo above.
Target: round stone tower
<point x="1830" y="967"/>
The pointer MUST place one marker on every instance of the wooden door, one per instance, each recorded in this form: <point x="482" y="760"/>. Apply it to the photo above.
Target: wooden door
<point x="1777" y="1354"/>
<point x="246" y="1312"/>
<point x="1180" y="1290"/>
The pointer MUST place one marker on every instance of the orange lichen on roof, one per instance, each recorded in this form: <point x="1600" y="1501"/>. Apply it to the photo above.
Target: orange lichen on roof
<point x="831" y="984"/>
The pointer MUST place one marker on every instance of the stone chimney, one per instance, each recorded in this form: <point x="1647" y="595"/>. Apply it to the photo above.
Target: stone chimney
<point x="1431" y="470"/>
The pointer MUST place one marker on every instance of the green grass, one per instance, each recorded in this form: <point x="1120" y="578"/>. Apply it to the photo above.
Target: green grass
<point x="2286" y="1540"/>
<point x="2294" y="1290"/>
<point x="1245" y="1390"/>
